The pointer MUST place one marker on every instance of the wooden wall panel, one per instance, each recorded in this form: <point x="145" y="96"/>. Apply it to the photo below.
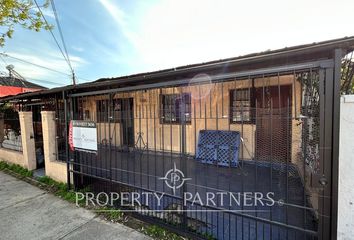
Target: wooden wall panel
<point x="209" y="109"/>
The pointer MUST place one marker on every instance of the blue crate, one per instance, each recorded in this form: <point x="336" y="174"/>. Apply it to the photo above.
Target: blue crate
<point x="218" y="147"/>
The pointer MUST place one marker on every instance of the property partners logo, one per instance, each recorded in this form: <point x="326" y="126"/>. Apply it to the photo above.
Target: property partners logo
<point x="192" y="200"/>
<point x="174" y="178"/>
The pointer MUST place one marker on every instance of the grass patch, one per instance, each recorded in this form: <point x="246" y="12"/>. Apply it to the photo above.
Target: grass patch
<point x="61" y="190"/>
<point x="16" y="168"/>
<point x="158" y="232"/>
<point x="112" y="214"/>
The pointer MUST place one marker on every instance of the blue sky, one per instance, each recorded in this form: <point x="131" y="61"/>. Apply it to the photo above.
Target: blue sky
<point x="110" y="38"/>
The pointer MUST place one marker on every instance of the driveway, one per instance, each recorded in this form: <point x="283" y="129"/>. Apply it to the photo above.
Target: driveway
<point x="27" y="212"/>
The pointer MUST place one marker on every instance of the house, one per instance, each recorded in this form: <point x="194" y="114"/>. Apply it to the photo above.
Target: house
<point x="283" y="105"/>
<point x="12" y="86"/>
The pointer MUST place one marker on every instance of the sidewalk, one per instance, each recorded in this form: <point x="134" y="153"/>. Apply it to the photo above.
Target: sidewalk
<point x="27" y="212"/>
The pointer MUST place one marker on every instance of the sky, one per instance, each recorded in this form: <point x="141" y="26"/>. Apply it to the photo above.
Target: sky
<point x="111" y="38"/>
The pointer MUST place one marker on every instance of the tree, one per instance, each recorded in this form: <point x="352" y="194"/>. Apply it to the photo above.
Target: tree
<point x="20" y="12"/>
<point x="347" y="75"/>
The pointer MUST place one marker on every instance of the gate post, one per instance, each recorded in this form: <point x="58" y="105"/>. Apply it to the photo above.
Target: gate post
<point x="27" y="137"/>
<point x="53" y="167"/>
<point x="338" y="55"/>
<point x="66" y="140"/>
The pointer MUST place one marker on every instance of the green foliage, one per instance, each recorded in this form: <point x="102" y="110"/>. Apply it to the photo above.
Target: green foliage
<point x="60" y="189"/>
<point x="208" y="236"/>
<point x="16" y="168"/>
<point x="23" y="13"/>
<point x="112" y="214"/>
<point x="157" y="232"/>
<point x="3" y="165"/>
<point x="46" y="180"/>
<point x="347" y="76"/>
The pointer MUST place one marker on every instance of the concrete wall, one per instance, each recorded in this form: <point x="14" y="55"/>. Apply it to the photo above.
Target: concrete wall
<point x="53" y="168"/>
<point x="346" y="169"/>
<point x="12" y="156"/>
<point x="26" y="158"/>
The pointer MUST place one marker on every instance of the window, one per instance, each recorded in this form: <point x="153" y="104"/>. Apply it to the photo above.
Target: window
<point x="240" y="105"/>
<point x="87" y="115"/>
<point x="103" y="110"/>
<point x="171" y="108"/>
<point x="117" y="109"/>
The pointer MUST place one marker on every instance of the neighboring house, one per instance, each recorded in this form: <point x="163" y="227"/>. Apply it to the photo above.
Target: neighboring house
<point x="13" y="86"/>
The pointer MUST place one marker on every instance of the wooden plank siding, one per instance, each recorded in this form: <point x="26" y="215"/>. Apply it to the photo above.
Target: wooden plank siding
<point x="210" y="109"/>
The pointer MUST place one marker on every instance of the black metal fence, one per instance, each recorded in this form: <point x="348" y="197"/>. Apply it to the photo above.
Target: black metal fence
<point x="10" y="138"/>
<point x="61" y="135"/>
<point x="269" y="192"/>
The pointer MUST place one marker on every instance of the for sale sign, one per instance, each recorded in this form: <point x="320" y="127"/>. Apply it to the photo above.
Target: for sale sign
<point x="83" y="135"/>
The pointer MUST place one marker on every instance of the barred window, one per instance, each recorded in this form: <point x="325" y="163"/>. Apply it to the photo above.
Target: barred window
<point x="104" y="110"/>
<point x="117" y="109"/>
<point x="171" y="108"/>
<point x="240" y="105"/>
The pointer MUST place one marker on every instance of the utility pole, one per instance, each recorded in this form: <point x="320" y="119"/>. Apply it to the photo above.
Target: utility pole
<point x="74" y="79"/>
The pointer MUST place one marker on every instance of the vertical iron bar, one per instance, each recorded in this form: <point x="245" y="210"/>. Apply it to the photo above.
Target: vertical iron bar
<point x="271" y="155"/>
<point x="184" y="160"/>
<point x="222" y="99"/>
<point x="110" y="117"/>
<point x="66" y="140"/>
<point x="294" y="91"/>
<point x="287" y="160"/>
<point x="335" y="139"/>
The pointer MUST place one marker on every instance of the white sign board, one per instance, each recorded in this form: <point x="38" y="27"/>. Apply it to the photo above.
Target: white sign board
<point x="83" y="135"/>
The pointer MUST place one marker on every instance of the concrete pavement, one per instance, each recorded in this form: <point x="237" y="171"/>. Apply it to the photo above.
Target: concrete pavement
<point x="27" y="212"/>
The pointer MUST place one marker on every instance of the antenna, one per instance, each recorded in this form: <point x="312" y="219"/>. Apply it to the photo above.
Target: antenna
<point x="15" y="75"/>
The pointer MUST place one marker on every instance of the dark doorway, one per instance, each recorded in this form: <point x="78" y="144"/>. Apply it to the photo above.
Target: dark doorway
<point x="38" y="135"/>
<point x="126" y="105"/>
<point x="273" y="123"/>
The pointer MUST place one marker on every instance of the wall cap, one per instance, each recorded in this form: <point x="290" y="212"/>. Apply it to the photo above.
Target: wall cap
<point x="47" y="112"/>
<point x="348" y="98"/>
<point x="28" y="113"/>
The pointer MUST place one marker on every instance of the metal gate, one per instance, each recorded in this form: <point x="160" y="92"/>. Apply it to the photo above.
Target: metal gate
<point x="282" y="186"/>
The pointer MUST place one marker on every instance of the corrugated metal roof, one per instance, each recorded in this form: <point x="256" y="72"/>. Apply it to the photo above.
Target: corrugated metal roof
<point x="15" y="82"/>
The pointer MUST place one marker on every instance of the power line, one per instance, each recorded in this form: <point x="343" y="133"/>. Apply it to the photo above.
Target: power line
<point x="3" y="60"/>
<point x="37" y="65"/>
<point x="55" y="39"/>
<point x="60" y="32"/>
<point x="44" y="81"/>
<point x="34" y="64"/>
<point x="33" y="79"/>
<point x="62" y="39"/>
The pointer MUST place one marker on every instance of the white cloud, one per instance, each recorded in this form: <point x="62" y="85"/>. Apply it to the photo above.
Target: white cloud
<point x="120" y="18"/>
<point x="172" y="33"/>
<point x="77" y="49"/>
<point x="117" y="14"/>
<point x="47" y="12"/>
<point x="50" y="60"/>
